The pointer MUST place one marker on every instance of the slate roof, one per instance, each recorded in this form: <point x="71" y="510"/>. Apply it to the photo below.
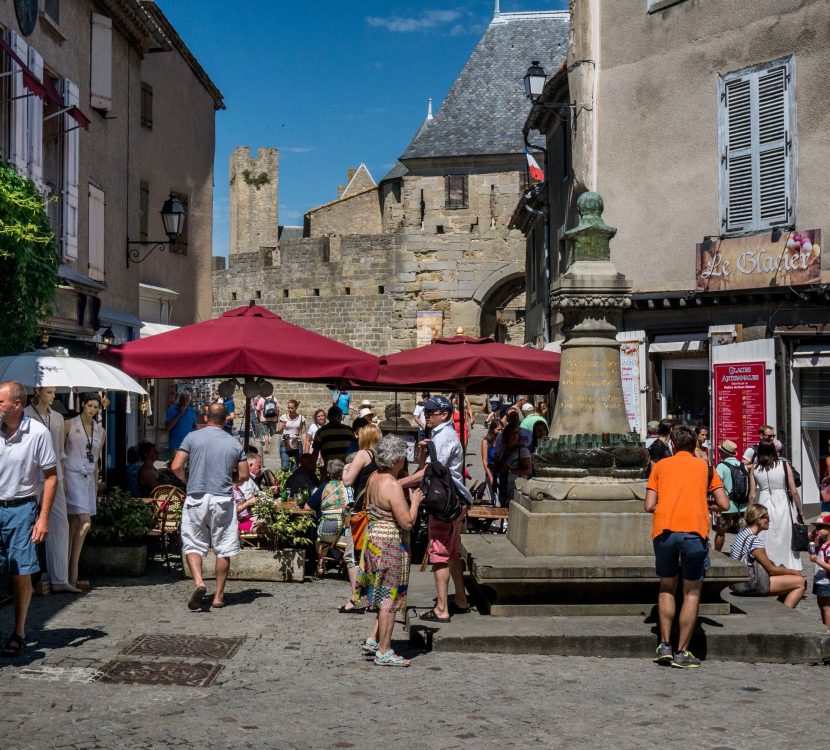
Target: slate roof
<point x="486" y="107"/>
<point x="398" y="170"/>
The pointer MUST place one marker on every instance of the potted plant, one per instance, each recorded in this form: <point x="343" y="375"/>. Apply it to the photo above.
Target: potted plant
<point x="287" y="536"/>
<point x="117" y="543"/>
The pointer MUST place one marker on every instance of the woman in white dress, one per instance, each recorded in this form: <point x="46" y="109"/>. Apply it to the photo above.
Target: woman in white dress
<point x="84" y="439"/>
<point x="767" y="486"/>
<point x="57" y="542"/>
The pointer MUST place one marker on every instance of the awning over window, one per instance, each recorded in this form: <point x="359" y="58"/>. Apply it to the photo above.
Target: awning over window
<point x="670" y="347"/>
<point x="152" y="329"/>
<point x="812" y="356"/>
<point x="44" y="89"/>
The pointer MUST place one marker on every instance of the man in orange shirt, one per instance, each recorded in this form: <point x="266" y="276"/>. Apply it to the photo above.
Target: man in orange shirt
<point x="676" y="495"/>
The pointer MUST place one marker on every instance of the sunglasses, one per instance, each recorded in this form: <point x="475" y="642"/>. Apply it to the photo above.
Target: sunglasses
<point x="761" y="518"/>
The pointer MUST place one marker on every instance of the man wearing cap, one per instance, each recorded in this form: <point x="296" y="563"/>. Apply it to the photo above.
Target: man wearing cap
<point x="651" y="433"/>
<point x="735" y="480"/>
<point x="444" y="547"/>
<point x="676" y="495"/>
<point x="529" y="420"/>
<point x="28" y="466"/>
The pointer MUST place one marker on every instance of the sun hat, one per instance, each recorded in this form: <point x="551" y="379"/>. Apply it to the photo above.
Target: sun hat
<point x="653" y="425"/>
<point x="365" y="412"/>
<point x="527" y="407"/>
<point x="728" y="448"/>
<point x="822" y="519"/>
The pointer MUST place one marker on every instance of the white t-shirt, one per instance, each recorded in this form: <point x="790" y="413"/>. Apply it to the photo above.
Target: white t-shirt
<point x="23" y="458"/>
<point x="292" y="429"/>
<point x="419" y="415"/>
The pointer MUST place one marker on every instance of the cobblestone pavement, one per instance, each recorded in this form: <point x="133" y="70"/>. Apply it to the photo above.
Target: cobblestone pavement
<point x="298" y="681"/>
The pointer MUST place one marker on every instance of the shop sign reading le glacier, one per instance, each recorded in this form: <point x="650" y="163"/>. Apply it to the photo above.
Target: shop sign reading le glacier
<point x="757" y="262"/>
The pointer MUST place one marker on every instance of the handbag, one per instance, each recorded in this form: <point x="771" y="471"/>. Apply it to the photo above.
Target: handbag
<point x="758" y="582"/>
<point x="800" y="537"/>
<point x="359" y="519"/>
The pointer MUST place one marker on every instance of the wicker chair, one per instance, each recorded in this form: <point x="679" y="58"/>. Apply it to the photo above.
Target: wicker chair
<point x="165" y="534"/>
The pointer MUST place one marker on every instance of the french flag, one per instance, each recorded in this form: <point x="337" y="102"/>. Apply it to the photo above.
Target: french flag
<point x="533" y="168"/>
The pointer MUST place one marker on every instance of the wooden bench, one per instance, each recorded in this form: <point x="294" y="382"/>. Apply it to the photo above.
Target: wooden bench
<point x="479" y="517"/>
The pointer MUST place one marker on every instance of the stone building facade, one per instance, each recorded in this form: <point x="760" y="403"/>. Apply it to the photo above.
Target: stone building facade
<point x="432" y="237"/>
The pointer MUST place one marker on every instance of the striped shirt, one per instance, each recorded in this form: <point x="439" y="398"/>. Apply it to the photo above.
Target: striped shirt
<point x="742" y="546"/>
<point x="332" y="440"/>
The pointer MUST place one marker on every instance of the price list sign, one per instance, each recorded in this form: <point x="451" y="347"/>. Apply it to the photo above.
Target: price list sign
<point x="740" y="403"/>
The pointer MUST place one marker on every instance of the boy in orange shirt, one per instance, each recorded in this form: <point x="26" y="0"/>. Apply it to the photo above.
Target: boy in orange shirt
<point x="676" y="495"/>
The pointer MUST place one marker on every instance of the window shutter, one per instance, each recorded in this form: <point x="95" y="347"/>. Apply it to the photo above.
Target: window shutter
<point x="772" y="146"/>
<point x="70" y="172"/>
<point x="100" y="71"/>
<point x="739" y="180"/>
<point x="96" y="233"/>
<point x="35" y="115"/>
<point x="757" y="158"/>
<point x="20" y="108"/>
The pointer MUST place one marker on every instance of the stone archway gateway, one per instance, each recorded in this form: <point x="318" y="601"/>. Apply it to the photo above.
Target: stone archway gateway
<point x="502" y="305"/>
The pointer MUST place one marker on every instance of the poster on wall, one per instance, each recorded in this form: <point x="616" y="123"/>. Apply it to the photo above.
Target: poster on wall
<point x="428" y="326"/>
<point x="757" y="262"/>
<point x="740" y="401"/>
<point x="630" y="374"/>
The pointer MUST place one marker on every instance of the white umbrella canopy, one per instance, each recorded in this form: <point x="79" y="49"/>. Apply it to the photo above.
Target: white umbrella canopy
<point x="55" y="368"/>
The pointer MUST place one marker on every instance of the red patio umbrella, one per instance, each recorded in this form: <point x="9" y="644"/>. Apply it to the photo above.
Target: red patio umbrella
<point x="468" y="364"/>
<point x="246" y="341"/>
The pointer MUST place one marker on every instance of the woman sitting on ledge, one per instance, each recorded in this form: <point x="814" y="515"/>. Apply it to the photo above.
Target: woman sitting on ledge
<point x="765" y="578"/>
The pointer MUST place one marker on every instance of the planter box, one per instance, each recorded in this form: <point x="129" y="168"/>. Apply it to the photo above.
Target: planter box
<point x="257" y="565"/>
<point x="127" y="560"/>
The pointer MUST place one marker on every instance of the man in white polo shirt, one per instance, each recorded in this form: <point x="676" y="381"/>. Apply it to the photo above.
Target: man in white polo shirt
<point x="27" y="466"/>
<point x="209" y="513"/>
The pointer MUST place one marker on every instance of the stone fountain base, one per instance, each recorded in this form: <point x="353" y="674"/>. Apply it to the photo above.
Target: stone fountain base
<point x="578" y="546"/>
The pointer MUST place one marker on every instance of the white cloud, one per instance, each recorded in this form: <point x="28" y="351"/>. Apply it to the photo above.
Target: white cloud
<point x="427" y="20"/>
<point x="296" y="149"/>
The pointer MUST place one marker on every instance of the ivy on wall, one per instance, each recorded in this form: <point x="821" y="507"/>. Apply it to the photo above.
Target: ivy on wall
<point x="29" y="262"/>
<point x="255" y="180"/>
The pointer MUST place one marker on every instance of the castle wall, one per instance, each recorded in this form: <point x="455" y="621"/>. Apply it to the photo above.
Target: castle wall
<point x="359" y="214"/>
<point x="254" y="199"/>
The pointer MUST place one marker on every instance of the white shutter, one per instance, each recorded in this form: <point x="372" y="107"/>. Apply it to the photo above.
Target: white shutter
<point x="772" y="146"/>
<point x="757" y="157"/>
<point x="100" y="71"/>
<point x="19" y="107"/>
<point x="740" y="182"/>
<point x="96" y="232"/>
<point x="70" y="172"/>
<point x="36" y="123"/>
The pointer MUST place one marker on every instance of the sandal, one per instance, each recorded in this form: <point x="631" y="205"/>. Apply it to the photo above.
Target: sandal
<point x="14" y="646"/>
<point x="454" y="609"/>
<point x="432" y="617"/>
<point x="344" y="610"/>
<point x="390" y="659"/>
<point x="369" y="647"/>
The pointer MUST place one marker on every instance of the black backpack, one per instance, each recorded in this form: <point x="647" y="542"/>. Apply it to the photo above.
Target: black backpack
<point x="270" y="409"/>
<point x="740" y="483"/>
<point x="441" y="499"/>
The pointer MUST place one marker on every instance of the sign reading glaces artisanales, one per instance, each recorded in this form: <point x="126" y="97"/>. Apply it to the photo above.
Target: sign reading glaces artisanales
<point x="740" y="403"/>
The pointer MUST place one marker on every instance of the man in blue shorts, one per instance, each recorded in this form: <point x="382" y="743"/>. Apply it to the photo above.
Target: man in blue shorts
<point x="28" y="467"/>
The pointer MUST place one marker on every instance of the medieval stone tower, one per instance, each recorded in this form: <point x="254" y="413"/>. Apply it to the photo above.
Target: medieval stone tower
<point x="254" y="196"/>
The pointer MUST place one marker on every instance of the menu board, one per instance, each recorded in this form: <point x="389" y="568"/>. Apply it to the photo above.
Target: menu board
<point x="740" y="403"/>
<point x="630" y="374"/>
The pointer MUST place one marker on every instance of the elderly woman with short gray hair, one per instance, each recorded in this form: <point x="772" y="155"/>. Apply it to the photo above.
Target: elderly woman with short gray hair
<point x="383" y="574"/>
<point x="333" y="505"/>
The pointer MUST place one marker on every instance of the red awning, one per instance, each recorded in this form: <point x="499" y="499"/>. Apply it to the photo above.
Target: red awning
<point x="30" y="81"/>
<point x="247" y="341"/>
<point x="44" y="89"/>
<point x="474" y="365"/>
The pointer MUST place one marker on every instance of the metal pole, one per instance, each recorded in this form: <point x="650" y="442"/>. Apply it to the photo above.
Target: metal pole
<point x="247" y="423"/>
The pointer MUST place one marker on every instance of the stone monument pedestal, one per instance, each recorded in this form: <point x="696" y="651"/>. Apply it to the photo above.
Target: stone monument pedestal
<point x="579" y="541"/>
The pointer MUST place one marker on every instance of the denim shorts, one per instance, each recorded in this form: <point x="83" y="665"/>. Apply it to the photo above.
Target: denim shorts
<point x="681" y="552"/>
<point x="16" y="546"/>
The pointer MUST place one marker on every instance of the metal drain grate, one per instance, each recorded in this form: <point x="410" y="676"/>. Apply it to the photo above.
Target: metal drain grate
<point x="181" y="673"/>
<point x="192" y="646"/>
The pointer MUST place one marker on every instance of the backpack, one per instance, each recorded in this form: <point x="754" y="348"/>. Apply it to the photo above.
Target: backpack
<point x="740" y="483"/>
<point x="441" y="499"/>
<point x="270" y="409"/>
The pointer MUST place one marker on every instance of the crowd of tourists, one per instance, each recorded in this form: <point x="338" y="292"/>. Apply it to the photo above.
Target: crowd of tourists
<point x="755" y="497"/>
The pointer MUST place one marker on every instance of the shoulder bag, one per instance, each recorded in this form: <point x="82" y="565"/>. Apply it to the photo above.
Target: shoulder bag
<point x="758" y="583"/>
<point x="800" y="539"/>
<point x="359" y="519"/>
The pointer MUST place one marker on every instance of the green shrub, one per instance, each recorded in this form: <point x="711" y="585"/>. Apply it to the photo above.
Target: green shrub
<point x="121" y="519"/>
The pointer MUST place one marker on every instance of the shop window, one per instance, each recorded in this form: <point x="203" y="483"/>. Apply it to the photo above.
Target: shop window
<point x="146" y="105"/>
<point x="455" y="191"/>
<point x="756" y="132"/>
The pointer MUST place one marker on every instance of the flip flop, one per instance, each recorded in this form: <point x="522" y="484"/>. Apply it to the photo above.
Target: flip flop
<point x="194" y="604"/>
<point x="344" y="610"/>
<point x="456" y="610"/>
<point x="432" y="617"/>
<point x="14" y="646"/>
<point x="217" y="605"/>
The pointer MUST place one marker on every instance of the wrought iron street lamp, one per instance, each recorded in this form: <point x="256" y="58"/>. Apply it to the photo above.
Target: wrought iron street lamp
<point x="173" y="217"/>
<point x="535" y="81"/>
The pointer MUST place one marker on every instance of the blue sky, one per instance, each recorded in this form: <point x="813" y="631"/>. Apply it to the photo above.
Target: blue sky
<point x="331" y="84"/>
